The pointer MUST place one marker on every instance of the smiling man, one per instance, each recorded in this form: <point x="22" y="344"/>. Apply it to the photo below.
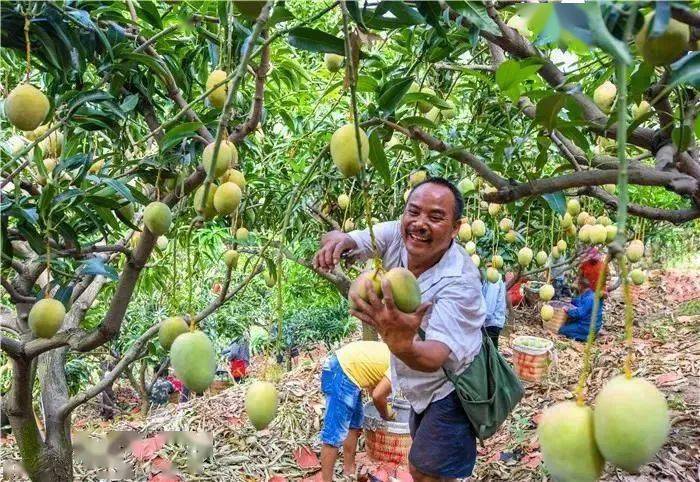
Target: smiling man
<point x="444" y="445"/>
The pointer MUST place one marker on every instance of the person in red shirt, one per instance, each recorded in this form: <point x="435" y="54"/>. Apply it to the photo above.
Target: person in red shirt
<point x="515" y="293"/>
<point x="238" y="355"/>
<point x="591" y="265"/>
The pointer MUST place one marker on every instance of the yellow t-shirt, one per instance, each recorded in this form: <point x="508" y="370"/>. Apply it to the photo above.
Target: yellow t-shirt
<point x="365" y="362"/>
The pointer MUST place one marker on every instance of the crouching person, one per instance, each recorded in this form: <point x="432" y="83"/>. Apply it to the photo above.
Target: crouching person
<point x="356" y="366"/>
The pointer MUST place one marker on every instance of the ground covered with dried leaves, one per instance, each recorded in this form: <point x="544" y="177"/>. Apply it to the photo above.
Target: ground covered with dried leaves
<point x="666" y="350"/>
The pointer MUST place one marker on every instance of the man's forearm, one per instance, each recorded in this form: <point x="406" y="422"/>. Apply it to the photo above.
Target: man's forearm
<point x="423" y="356"/>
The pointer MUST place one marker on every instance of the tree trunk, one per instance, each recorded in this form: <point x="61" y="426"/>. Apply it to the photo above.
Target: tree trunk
<point x="21" y="415"/>
<point x="58" y="451"/>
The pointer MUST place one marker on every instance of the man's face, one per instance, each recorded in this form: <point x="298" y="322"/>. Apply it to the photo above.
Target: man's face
<point x="428" y="224"/>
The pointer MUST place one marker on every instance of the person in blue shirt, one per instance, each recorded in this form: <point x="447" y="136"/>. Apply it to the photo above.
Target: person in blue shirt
<point x="495" y="298"/>
<point x="579" y="317"/>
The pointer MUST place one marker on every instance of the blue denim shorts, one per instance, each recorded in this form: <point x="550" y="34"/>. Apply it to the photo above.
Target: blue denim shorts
<point x="444" y="444"/>
<point x="343" y="403"/>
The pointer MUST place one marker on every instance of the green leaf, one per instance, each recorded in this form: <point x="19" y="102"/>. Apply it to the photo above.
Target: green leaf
<point x="148" y="61"/>
<point x="404" y="13"/>
<point x="95" y="266"/>
<point x="686" y="71"/>
<point x="682" y="136"/>
<point x="392" y="92"/>
<point x="511" y="73"/>
<point x="697" y="126"/>
<point x="355" y="12"/>
<point x="35" y="240"/>
<point x="640" y="80"/>
<point x="507" y="73"/>
<point x="89" y="96"/>
<point x="119" y="187"/>
<point x="602" y="36"/>
<point x="177" y="134"/>
<point x="280" y="14"/>
<point x="147" y="10"/>
<point x="378" y="157"/>
<point x="129" y="103"/>
<point x="548" y="108"/>
<point x="556" y="201"/>
<point x="476" y="14"/>
<point x="365" y="83"/>
<point x="417" y="121"/>
<point x="313" y="40"/>
<point x="429" y="98"/>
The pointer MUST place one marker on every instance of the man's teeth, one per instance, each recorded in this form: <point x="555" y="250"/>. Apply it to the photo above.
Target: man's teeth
<point x="418" y="237"/>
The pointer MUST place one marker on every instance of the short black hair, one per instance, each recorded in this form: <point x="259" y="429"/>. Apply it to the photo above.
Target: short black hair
<point x="441" y="181"/>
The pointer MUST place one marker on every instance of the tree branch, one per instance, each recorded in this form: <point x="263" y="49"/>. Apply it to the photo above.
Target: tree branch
<point x="249" y="125"/>
<point x="676" y="216"/>
<point x="15" y="296"/>
<point x="132" y="354"/>
<point x="227" y="296"/>
<point x="461" y="155"/>
<point x="512" y="42"/>
<point x="645" y="177"/>
<point x="686" y="16"/>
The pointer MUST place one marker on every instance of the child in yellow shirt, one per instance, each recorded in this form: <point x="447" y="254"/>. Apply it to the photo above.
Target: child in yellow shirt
<point x="356" y="366"/>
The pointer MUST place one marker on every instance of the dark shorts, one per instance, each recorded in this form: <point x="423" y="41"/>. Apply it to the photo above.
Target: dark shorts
<point x="493" y="332"/>
<point x="443" y="441"/>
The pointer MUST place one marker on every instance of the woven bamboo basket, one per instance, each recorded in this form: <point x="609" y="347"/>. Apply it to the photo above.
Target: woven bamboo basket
<point x="559" y="317"/>
<point x="388" y="441"/>
<point x="218" y="386"/>
<point x="530" y="363"/>
<point x="531" y="292"/>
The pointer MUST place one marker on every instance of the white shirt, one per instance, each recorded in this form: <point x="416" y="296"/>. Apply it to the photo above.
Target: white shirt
<point x="455" y="317"/>
<point x="495" y="297"/>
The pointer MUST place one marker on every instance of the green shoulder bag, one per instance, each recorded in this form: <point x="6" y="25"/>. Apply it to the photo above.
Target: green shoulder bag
<point x="488" y="389"/>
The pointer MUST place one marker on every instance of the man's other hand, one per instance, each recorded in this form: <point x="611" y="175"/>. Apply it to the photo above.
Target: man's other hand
<point x="333" y="245"/>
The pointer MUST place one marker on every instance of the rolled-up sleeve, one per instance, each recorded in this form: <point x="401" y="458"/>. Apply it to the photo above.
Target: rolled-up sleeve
<point x="384" y="234"/>
<point x="456" y="318"/>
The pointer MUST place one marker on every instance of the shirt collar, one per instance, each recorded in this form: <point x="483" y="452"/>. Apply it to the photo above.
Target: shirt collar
<point x="450" y="265"/>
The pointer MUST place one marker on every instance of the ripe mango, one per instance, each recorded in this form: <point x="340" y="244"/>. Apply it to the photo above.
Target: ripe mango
<point x="227" y="156"/>
<point x="46" y="317"/>
<point x="170" y="329"/>
<point x="404" y="288"/>
<point x="157" y="218"/>
<point x="667" y="47"/>
<point x="333" y="62"/>
<point x="631" y="421"/>
<point x="567" y="443"/>
<point x="344" y="150"/>
<point x="227" y="198"/>
<point x="26" y="107"/>
<point x="206" y="209"/>
<point x="218" y="95"/>
<point x="261" y="400"/>
<point x="193" y="359"/>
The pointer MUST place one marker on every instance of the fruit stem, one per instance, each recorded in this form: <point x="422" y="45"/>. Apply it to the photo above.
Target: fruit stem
<point x="351" y="80"/>
<point x="27" y="45"/>
<point x="188" y="240"/>
<point x="586" y="369"/>
<point x="293" y="199"/>
<point x="47" y="289"/>
<point x="622" y="184"/>
<point x="629" y="316"/>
